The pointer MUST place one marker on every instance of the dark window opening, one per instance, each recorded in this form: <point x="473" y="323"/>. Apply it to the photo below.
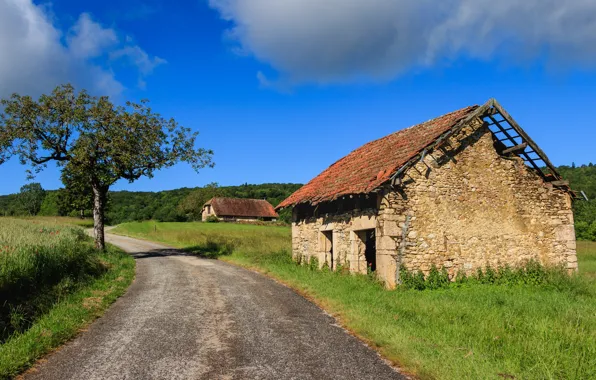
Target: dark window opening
<point x="370" y="252"/>
<point x="328" y="248"/>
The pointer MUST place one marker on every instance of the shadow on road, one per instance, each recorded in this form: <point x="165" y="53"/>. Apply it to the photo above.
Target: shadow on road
<point x="160" y="253"/>
<point x="196" y="251"/>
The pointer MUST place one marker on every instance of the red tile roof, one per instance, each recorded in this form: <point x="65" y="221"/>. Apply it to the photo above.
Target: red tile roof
<point x="371" y="165"/>
<point x="256" y="208"/>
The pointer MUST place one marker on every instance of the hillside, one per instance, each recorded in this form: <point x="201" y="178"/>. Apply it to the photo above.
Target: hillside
<point x="185" y="204"/>
<point x="166" y="206"/>
<point x="581" y="178"/>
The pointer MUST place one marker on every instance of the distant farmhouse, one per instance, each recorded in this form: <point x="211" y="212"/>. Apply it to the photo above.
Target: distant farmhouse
<point x="236" y="209"/>
<point x="462" y="191"/>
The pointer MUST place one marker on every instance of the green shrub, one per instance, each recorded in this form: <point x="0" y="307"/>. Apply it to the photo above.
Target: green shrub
<point x="313" y="263"/>
<point x="532" y="273"/>
<point x="436" y="279"/>
<point x="585" y="230"/>
<point x="212" y="219"/>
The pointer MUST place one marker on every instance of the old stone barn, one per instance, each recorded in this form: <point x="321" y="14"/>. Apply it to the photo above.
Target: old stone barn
<point x="239" y="209"/>
<point x="462" y="191"/>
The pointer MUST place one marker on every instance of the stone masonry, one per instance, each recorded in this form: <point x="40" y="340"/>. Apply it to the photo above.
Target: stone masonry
<point x="462" y="207"/>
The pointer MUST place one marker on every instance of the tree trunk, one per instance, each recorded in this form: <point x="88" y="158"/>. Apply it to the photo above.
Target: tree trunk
<point x="99" y="197"/>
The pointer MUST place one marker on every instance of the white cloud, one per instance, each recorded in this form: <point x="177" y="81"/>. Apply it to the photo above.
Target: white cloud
<point x="137" y="57"/>
<point x="88" y="39"/>
<point x="330" y="41"/>
<point x="35" y="55"/>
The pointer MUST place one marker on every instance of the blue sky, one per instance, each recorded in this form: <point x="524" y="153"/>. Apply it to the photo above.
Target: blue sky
<point x="280" y="90"/>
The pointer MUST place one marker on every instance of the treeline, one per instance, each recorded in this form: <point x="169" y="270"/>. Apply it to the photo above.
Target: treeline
<point x="178" y="205"/>
<point x="186" y="204"/>
<point x="583" y="178"/>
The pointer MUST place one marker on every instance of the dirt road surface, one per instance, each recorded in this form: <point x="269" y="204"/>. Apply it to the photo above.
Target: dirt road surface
<point x="191" y="318"/>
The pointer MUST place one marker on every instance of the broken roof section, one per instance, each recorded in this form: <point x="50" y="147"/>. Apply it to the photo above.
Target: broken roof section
<point x="378" y="162"/>
<point x="256" y="208"/>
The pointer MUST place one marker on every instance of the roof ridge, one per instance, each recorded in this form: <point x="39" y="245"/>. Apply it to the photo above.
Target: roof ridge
<point x="420" y="124"/>
<point x="373" y="163"/>
<point x="404" y="130"/>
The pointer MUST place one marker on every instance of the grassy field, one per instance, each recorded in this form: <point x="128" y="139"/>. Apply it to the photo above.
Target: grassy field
<point x="475" y="331"/>
<point x="211" y="239"/>
<point x="586" y="251"/>
<point x="52" y="283"/>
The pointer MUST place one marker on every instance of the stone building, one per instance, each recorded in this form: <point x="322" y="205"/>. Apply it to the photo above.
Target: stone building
<point x="462" y="191"/>
<point x="237" y="209"/>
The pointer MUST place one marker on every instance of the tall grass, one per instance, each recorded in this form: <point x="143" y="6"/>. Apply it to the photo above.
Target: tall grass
<point x="39" y="264"/>
<point x="212" y="239"/>
<point x="586" y="252"/>
<point x="514" y="329"/>
<point x="58" y="220"/>
<point x="49" y="273"/>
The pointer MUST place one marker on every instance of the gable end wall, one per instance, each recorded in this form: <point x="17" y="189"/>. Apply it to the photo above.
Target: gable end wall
<point x="471" y="207"/>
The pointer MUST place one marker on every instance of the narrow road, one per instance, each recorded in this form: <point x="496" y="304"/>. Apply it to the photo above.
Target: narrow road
<point x="191" y="318"/>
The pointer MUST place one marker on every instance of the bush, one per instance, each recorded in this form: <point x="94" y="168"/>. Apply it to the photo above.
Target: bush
<point x="532" y="273"/>
<point x="585" y="230"/>
<point x="436" y="279"/>
<point x="212" y="219"/>
<point x="313" y="263"/>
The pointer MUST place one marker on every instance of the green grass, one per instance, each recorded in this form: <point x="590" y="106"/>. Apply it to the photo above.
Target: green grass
<point x="52" y="283"/>
<point x="475" y="331"/>
<point x="586" y="252"/>
<point x="56" y="220"/>
<point x="211" y="239"/>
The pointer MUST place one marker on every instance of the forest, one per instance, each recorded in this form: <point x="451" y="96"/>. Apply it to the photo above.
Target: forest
<point x="179" y="205"/>
<point x="185" y="204"/>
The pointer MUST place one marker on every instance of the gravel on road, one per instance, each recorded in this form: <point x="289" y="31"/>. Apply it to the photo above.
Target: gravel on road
<point x="190" y="318"/>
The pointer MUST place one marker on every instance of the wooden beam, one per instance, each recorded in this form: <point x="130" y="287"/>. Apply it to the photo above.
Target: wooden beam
<point x="529" y="160"/>
<point x="559" y="183"/>
<point x="525" y="136"/>
<point x="516" y="148"/>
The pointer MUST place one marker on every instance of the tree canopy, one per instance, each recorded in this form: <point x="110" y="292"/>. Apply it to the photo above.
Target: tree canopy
<point x="30" y="198"/>
<point x="96" y="141"/>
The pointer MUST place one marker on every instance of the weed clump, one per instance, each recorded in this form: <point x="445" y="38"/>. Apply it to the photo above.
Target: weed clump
<point x="531" y="273"/>
<point x="313" y="263"/>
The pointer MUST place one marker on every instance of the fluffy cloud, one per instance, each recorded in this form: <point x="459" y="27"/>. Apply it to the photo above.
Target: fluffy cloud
<point x="36" y="55"/>
<point x="327" y="41"/>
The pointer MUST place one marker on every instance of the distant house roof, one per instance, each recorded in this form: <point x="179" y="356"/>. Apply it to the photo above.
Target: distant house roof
<point x="375" y="163"/>
<point x="257" y="208"/>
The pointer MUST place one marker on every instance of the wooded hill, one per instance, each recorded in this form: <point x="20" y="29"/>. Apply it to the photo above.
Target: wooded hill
<point x="186" y="204"/>
<point x="177" y="205"/>
<point x="583" y="178"/>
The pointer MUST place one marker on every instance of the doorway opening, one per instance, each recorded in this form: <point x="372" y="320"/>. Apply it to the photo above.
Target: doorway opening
<point x="370" y="252"/>
<point x="328" y="247"/>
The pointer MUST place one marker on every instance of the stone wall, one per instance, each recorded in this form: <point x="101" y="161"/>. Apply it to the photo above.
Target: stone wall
<point x="308" y="238"/>
<point x="462" y="208"/>
<point x="470" y="207"/>
<point x="207" y="212"/>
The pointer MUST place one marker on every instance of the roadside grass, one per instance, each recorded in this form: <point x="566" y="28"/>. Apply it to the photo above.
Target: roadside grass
<point x="473" y="331"/>
<point x="52" y="284"/>
<point x="56" y="220"/>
